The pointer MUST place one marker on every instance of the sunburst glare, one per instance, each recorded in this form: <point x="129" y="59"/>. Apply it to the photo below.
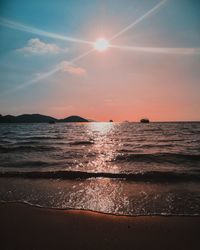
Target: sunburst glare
<point x="101" y="44"/>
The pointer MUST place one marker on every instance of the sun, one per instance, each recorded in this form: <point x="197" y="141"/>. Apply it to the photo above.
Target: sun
<point x="101" y="44"/>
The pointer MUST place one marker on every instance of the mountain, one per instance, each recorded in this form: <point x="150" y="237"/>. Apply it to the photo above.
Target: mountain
<point x="7" y="118"/>
<point x="26" y="118"/>
<point x="73" y="118"/>
<point x="37" y="118"/>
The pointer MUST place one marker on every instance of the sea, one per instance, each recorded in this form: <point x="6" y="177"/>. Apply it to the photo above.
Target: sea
<point x="116" y="168"/>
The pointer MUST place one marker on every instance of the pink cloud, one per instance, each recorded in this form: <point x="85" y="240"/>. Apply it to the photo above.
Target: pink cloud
<point x="36" y="47"/>
<point x="71" y="68"/>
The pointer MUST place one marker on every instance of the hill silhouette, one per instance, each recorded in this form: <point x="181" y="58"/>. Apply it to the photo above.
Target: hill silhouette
<point x="73" y="118"/>
<point x="38" y="118"/>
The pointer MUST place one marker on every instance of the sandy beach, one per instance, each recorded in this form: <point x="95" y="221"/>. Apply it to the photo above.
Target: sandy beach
<point x="27" y="227"/>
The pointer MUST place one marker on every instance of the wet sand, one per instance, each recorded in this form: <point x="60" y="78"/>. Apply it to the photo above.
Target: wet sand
<point x="31" y="228"/>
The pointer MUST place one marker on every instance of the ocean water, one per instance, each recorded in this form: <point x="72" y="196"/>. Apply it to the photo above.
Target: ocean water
<point x="119" y="168"/>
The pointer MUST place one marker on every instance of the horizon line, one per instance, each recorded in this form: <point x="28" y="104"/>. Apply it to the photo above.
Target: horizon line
<point x="108" y="120"/>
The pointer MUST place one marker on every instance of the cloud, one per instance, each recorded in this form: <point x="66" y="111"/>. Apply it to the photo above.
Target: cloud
<point x="37" y="47"/>
<point x="69" y="67"/>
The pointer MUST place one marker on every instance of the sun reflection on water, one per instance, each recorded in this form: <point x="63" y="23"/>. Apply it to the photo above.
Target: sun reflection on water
<point x="102" y="195"/>
<point x="104" y="146"/>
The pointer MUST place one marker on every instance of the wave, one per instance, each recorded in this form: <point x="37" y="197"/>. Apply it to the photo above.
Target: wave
<point x="81" y="143"/>
<point x="23" y="143"/>
<point x="35" y="204"/>
<point x="152" y="176"/>
<point x="158" y="158"/>
<point x="40" y="138"/>
<point x="24" y="164"/>
<point x="7" y="149"/>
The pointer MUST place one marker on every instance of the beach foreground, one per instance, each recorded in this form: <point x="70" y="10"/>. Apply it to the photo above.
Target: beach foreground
<point x="27" y="227"/>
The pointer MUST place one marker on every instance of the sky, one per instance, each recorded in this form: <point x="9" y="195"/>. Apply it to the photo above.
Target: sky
<point x="48" y="63"/>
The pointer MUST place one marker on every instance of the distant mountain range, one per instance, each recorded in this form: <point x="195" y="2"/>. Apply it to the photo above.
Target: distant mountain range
<point x="37" y="118"/>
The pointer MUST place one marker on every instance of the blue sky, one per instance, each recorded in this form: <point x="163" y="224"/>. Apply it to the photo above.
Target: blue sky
<point x="120" y="83"/>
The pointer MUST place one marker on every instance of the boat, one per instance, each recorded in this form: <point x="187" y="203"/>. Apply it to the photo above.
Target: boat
<point x="144" y="120"/>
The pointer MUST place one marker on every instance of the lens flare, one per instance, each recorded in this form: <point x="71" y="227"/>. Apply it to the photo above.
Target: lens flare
<point x="101" y="44"/>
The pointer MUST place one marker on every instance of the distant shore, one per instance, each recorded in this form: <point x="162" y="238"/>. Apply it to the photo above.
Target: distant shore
<point x="38" y="118"/>
<point x="27" y="227"/>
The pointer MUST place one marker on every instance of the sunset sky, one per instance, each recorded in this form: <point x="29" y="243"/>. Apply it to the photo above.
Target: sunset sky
<point x="48" y="63"/>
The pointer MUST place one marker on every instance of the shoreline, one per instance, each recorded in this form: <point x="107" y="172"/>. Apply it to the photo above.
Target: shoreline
<point x="97" y="212"/>
<point x="25" y="226"/>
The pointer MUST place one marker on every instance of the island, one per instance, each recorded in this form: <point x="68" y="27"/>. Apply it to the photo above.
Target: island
<point x="38" y="118"/>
